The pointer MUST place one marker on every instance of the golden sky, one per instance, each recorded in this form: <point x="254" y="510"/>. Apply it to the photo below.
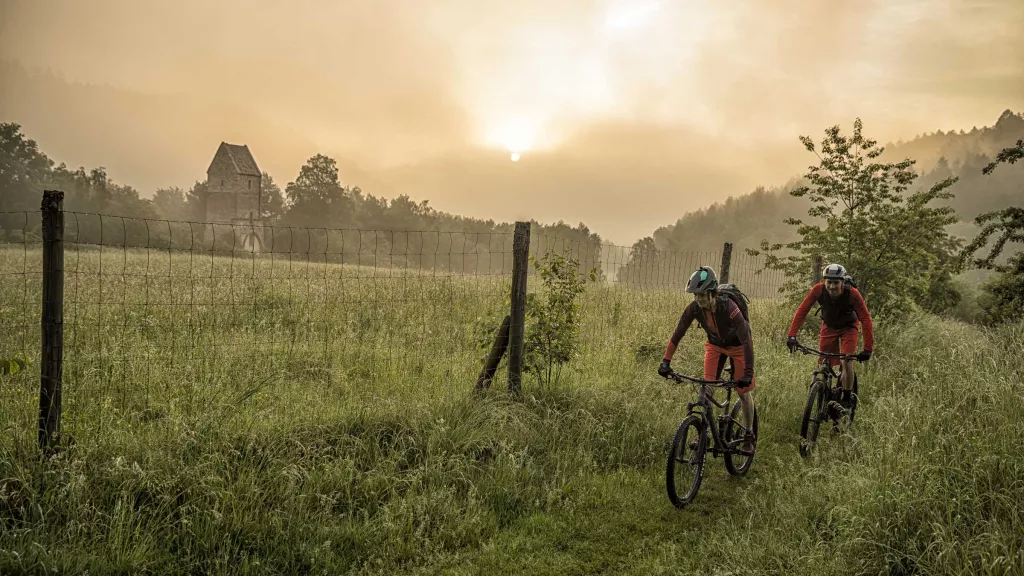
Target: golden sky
<point x="626" y="113"/>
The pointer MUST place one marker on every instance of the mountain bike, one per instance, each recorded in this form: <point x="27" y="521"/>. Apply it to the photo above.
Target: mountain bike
<point x="823" y="399"/>
<point x="686" y="457"/>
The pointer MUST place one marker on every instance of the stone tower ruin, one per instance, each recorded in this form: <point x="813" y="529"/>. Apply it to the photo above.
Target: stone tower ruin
<point x="233" y="186"/>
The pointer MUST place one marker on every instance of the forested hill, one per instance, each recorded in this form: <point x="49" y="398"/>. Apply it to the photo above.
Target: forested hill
<point x="748" y="219"/>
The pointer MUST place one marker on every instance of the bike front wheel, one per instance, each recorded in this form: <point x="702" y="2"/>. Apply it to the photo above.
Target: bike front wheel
<point x="813" y="414"/>
<point x="854" y="398"/>
<point x="685" y="468"/>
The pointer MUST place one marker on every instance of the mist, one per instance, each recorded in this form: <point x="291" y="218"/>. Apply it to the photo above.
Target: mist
<point x="626" y="115"/>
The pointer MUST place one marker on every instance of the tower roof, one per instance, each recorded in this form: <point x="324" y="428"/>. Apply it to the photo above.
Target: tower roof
<point x="240" y="157"/>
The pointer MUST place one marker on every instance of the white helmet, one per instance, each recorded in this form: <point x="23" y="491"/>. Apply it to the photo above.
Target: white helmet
<point x="834" y="272"/>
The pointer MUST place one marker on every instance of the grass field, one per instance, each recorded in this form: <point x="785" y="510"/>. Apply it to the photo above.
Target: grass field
<point x="286" y="419"/>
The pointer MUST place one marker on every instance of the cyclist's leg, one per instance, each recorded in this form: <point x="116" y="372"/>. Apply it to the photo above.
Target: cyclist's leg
<point x="746" y="394"/>
<point x="714" y="362"/>
<point x="848" y="345"/>
<point x="828" y="341"/>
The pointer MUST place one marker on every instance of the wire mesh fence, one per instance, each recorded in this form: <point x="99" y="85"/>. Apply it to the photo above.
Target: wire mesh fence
<point x="197" y="324"/>
<point x="628" y="312"/>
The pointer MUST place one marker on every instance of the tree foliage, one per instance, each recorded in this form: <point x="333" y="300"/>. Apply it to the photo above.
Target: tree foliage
<point x="864" y="214"/>
<point x="172" y="204"/>
<point x="410" y="232"/>
<point x="1008" y="226"/>
<point x="745" y="220"/>
<point x="272" y="201"/>
<point x="552" y="329"/>
<point x="1003" y="299"/>
<point x="1009" y="155"/>
<point x="551" y="335"/>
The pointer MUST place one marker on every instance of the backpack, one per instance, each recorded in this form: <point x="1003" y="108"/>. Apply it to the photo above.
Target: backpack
<point x="849" y="281"/>
<point x="733" y="292"/>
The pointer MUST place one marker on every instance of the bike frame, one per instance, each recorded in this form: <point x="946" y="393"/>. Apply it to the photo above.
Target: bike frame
<point x="703" y="406"/>
<point x="825" y="374"/>
<point x="826" y="370"/>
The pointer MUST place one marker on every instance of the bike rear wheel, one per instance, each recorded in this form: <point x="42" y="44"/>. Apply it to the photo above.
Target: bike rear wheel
<point x="813" y="414"/>
<point x="738" y="464"/>
<point x="685" y="468"/>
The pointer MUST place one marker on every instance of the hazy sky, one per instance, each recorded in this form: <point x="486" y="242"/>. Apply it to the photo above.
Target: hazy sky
<point x="627" y="113"/>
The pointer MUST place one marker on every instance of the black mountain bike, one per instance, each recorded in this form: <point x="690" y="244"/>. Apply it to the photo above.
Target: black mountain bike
<point x="696" y="435"/>
<point x="823" y="399"/>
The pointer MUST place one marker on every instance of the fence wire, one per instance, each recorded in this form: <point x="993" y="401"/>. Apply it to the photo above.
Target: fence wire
<point x="21" y="277"/>
<point x="196" y="324"/>
<point x="187" y="322"/>
<point x="635" y="299"/>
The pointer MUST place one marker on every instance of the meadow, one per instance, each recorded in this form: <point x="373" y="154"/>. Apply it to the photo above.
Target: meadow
<point x="274" y="416"/>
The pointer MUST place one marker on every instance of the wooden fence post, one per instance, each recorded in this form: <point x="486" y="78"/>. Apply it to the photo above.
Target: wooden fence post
<point x="494" y="358"/>
<point x="520" y="264"/>
<point x="726" y="262"/>
<point x="52" y="321"/>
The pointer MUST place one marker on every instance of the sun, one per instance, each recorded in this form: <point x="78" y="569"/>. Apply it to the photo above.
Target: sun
<point x="515" y="135"/>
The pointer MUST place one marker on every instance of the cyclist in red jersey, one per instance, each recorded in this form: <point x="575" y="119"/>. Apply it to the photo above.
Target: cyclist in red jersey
<point x="843" y="311"/>
<point x="728" y="339"/>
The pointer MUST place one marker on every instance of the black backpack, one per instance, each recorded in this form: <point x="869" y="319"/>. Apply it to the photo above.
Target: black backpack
<point x="849" y="281"/>
<point x="733" y="292"/>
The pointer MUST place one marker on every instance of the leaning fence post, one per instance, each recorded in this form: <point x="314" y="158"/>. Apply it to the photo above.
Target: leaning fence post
<point x="816" y="273"/>
<point x="517" y="312"/>
<point x="494" y="358"/>
<point x="52" y="321"/>
<point x="726" y="262"/>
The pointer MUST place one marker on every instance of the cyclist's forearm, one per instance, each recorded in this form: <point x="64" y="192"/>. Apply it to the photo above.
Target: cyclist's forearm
<point x="670" y="350"/>
<point x="864" y="316"/>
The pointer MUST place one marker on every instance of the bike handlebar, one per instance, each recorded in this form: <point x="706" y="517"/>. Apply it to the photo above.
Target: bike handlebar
<point x="807" y="350"/>
<point x="679" y="378"/>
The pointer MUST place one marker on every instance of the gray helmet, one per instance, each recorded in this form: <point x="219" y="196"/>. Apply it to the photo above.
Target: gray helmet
<point x="702" y="280"/>
<point x="834" y="272"/>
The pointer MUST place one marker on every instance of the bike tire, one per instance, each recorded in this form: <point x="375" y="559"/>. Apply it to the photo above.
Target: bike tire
<point x="680" y="446"/>
<point x="730" y="464"/>
<point x="813" y="414"/>
<point x="856" y="397"/>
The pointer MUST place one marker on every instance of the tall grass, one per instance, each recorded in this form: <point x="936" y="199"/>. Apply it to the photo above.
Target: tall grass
<point x="364" y="451"/>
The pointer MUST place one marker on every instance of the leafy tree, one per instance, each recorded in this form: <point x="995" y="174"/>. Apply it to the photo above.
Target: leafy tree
<point x="551" y="335"/>
<point x="1009" y="155"/>
<point x="316" y="197"/>
<point x="99" y="186"/>
<point x="1008" y="223"/>
<point x="24" y="172"/>
<point x="863" y="215"/>
<point x="552" y="331"/>
<point x="271" y="201"/>
<point x="1004" y="294"/>
<point x="170" y="204"/>
<point x="195" y="199"/>
<point x="642" y="255"/>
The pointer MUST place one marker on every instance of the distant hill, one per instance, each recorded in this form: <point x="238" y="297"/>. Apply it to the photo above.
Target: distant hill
<point x="748" y="219"/>
<point x="959" y="146"/>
